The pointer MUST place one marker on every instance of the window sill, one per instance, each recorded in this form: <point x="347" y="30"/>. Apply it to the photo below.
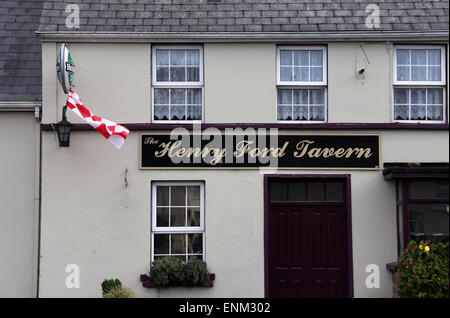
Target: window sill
<point x="148" y="283"/>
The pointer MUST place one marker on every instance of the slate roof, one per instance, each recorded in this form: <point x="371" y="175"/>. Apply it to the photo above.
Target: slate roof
<point x="246" y="15"/>
<point x="20" y="51"/>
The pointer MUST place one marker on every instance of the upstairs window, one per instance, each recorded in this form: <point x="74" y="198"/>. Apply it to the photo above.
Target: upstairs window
<point x="419" y="83"/>
<point x="177" y="80"/>
<point x="301" y="84"/>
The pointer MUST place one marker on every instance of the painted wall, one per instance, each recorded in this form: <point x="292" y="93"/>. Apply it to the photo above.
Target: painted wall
<point x="19" y="203"/>
<point x="114" y="81"/>
<point x="104" y="227"/>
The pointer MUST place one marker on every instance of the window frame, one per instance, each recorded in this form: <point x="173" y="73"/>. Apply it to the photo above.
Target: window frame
<point x="303" y="85"/>
<point x="324" y="82"/>
<point x="405" y="201"/>
<point x="420" y="84"/>
<point x="178" y="229"/>
<point x="424" y="83"/>
<point x="172" y="85"/>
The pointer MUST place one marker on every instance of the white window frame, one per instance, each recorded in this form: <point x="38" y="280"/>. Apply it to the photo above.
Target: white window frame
<point x="156" y="84"/>
<point x="177" y="229"/>
<point x="303" y="85"/>
<point x="421" y="47"/>
<point x="324" y="81"/>
<point x="421" y="84"/>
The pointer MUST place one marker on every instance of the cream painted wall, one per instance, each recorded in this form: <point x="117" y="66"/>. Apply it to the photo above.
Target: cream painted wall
<point x="19" y="203"/>
<point x="352" y="99"/>
<point x="240" y="83"/>
<point x="104" y="227"/>
<point x="114" y="81"/>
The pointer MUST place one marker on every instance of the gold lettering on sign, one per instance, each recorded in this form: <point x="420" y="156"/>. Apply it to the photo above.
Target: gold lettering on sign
<point x="303" y="148"/>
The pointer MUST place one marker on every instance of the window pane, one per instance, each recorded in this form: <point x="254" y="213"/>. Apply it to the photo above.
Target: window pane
<point x="401" y="95"/>
<point x="285" y="57"/>
<point x="195" y="243"/>
<point x="194" y="113"/>
<point x="178" y="243"/>
<point x="317" y="96"/>
<point x="418" y="57"/>
<point x="434" y="57"/>
<point x="434" y="73"/>
<point x="316" y="74"/>
<point x="418" y="73"/>
<point x="178" y="113"/>
<point x="177" y="74"/>
<point x="194" y="96"/>
<point x="193" y="195"/>
<point x="434" y="113"/>
<point x="177" y="57"/>
<point x="162" y="74"/>
<point x="284" y="112"/>
<point x="297" y="191"/>
<point x="335" y="191"/>
<point x="284" y="96"/>
<point x="161" y="96"/>
<point x="192" y="57"/>
<point x="402" y="73"/>
<point x="428" y="222"/>
<point x="418" y="96"/>
<point x="434" y="96"/>
<point x="316" y="191"/>
<point x="278" y="191"/>
<point x="162" y="196"/>
<point x="161" y="113"/>
<point x="428" y="189"/>
<point x="300" y="113"/>
<point x="193" y="217"/>
<point x="401" y="112"/>
<point x="286" y="74"/>
<point x="178" y="196"/>
<point x="162" y="57"/>
<point x="301" y="74"/>
<point x="192" y="74"/>
<point x="317" y="58"/>
<point x="301" y="58"/>
<point x="162" y="217"/>
<point x="161" y="243"/>
<point x="418" y="112"/>
<point x="403" y="57"/>
<point x="178" y="217"/>
<point x="178" y="96"/>
<point x="316" y="113"/>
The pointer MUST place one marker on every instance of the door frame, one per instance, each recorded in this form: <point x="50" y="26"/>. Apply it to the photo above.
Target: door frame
<point x="348" y="210"/>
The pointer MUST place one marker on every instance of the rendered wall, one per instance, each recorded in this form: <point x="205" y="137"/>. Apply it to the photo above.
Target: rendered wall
<point x="19" y="203"/>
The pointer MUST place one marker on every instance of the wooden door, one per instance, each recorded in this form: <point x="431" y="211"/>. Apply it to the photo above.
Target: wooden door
<point x="308" y="249"/>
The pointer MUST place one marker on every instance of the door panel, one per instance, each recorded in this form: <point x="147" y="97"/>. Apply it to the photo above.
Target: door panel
<point x="307" y="250"/>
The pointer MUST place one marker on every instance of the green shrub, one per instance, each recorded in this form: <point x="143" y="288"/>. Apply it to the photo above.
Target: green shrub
<point x="423" y="270"/>
<point x="109" y="284"/>
<point x="196" y="272"/>
<point x="171" y="271"/>
<point x="167" y="271"/>
<point x="119" y="292"/>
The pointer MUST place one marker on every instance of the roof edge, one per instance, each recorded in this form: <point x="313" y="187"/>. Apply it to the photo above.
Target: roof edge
<point x="242" y="36"/>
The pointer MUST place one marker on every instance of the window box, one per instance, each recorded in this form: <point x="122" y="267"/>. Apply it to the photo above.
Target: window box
<point x="147" y="282"/>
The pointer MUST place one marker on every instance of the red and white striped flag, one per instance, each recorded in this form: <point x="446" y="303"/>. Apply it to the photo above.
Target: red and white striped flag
<point x="115" y="133"/>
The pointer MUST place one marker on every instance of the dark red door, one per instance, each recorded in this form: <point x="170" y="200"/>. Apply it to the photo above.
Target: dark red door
<point x="307" y="249"/>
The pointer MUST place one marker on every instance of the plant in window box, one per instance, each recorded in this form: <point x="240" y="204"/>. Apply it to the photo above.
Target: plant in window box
<point x="172" y="271"/>
<point x="423" y="270"/>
